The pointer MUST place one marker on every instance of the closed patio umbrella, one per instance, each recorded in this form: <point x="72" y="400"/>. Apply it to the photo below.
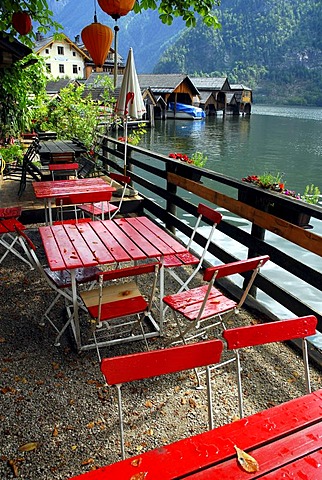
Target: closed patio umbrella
<point x="130" y="102"/>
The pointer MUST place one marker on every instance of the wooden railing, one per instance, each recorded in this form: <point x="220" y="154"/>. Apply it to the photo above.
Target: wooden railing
<point x="164" y="192"/>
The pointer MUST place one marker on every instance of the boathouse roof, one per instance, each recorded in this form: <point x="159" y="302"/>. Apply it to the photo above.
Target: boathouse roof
<point x="211" y="83"/>
<point x="165" y="83"/>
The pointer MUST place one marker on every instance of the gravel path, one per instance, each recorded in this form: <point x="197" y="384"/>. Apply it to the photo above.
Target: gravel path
<point x="57" y="399"/>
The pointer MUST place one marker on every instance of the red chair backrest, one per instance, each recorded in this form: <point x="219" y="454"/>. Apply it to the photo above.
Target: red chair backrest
<point x="127" y="368"/>
<point x="88" y="197"/>
<point x="118" y="177"/>
<point x="128" y="271"/>
<point x="209" y="213"/>
<point x="28" y="240"/>
<point x="279" y="331"/>
<point x="10" y="212"/>
<point x="232" y="268"/>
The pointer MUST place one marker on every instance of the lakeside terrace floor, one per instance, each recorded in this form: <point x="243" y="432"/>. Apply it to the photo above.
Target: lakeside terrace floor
<point x="57" y="398"/>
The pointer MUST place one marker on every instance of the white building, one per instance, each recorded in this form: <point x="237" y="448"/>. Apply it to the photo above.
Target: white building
<point x="64" y="59"/>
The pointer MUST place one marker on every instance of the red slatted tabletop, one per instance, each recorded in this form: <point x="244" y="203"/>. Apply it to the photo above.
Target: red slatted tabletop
<point x="106" y="242"/>
<point x="50" y="190"/>
<point x="286" y="441"/>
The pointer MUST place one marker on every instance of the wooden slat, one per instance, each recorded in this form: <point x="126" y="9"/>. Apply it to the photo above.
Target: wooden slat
<point x="112" y="242"/>
<point x="308" y="468"/>
<point x="80" y="247"/>
<point x="271" y="456"/>
<point x="164" y="236"/>
<point x="133" y="251"/>
<point x="181" y="458"/>
<point x="53" y="254"/>
<point x="304" y="238"/>
<point x="142" y="238"/>
<point x="100" y="252"/>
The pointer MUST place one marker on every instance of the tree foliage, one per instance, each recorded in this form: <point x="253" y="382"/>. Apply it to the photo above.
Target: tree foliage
<point x="42" y="16"/>
<point x="21" y="90"/>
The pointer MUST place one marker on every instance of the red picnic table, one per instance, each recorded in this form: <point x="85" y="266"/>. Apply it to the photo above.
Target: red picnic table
<point x="50" y="190"/>
<point x="69" y="247"/>
<point x="286" y="442"/>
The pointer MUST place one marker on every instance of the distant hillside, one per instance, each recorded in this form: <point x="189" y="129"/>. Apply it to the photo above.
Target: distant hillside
<point x="273" y="46"/>
<point x="143" y="32"/>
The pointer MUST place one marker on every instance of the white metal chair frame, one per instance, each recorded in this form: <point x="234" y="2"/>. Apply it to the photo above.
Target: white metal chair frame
<point x="202" y="304"/>
<point x="98" y="210"/>
<point x="279" y="331"/>
<point x="59" y="282"/>
<point x="122" y="301"/>
<point x="137" y="366"/>
<point x="171" y="262"/>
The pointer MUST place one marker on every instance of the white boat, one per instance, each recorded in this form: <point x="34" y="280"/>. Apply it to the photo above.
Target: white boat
<point x="181" y="111"/>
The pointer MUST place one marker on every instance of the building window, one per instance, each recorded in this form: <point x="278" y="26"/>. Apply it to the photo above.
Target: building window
<point x="47" y="51"/>
<point x="48" y="66"/>
<point x="61" y="68"/>
<point x="74" y="68"/>
<point x="60" y="50"/>
<point x="74" y="54"/>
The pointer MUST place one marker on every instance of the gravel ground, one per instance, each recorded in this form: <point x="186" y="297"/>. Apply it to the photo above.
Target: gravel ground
<point x="57" y="399"/>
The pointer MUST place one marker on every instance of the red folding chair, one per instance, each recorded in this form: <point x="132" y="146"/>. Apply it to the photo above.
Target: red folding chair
<point x="80" y="201"/>
<point x="99" y="210"/>
<point x="118" y="308"/>
<point x="137" y="366"/>
<point x="203" y="307"/>
<point x="280" y="331"/>
<point x="8" y="235"/>
<point x="60" y="283"/>
<point x="172" y="262"/>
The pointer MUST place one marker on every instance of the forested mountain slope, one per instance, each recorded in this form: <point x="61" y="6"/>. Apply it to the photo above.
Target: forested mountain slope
<point x="273" y="46"/>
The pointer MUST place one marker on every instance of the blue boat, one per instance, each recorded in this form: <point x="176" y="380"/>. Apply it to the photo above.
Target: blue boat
<point x="181" y="111"/>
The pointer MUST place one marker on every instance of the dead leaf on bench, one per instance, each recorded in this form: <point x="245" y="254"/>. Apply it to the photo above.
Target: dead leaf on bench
<point x="136" y="462"/>
<point x="139" y="476"/>
<point x="248" y="463"/>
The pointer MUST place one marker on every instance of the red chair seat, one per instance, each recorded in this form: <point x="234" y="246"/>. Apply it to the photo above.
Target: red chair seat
<point x="99" y="208"/>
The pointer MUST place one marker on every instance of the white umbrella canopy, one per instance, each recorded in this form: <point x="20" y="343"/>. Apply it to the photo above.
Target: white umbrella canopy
<point x="130" y="102"/>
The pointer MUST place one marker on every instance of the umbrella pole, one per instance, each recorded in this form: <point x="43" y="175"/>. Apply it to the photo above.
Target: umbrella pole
<point x="125" y="145"/>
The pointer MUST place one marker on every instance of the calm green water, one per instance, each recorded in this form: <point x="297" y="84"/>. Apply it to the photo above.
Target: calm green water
<point x="274" y="139"/>
<point x="277" y="139"/>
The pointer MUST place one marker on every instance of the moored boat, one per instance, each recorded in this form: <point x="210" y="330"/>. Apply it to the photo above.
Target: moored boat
<point x="181" y="111"/>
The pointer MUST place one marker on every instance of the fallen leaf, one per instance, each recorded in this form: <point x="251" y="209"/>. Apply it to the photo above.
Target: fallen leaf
<point x="74" y="447"/>
<point x="27" y="447"/>
<point x="248" y="463"/>
<point x="148" y="404"/>
<point x="55" y="432"/>
<point x="136" y="462"/>
<point x="14" y="467"/>
<point x="192" y="403"/>
<point x="139" y="476"/>
<point x="88" y="461"/>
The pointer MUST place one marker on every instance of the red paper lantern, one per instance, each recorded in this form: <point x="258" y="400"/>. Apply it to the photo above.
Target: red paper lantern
<point x="21" y="22"/>
<point x="116" y="8"/>
<point x="97" y="39"/>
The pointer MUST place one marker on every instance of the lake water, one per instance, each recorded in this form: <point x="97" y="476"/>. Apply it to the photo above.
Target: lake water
<point x="287" y="140"/>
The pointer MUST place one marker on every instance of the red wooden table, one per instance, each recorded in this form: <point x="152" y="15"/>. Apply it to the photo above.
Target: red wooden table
<point x="286" y="441"/>
<point x="48" y="191"/>
<point x="106" y="242"/>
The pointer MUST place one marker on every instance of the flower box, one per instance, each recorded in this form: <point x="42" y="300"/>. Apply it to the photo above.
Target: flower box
<point x="185" y="172"/>
<point x="256" y="200"/>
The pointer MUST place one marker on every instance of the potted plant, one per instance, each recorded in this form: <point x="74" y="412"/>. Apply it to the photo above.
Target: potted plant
<point x="134" y="138"/>
<point x="12" y="156"/>
<point x="198" y="159"/>
<point x="275" y="183"/>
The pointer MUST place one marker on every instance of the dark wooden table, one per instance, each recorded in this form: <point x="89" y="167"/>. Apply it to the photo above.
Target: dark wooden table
<point x="285" y="440"/>
<point x="59" y="151"/>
